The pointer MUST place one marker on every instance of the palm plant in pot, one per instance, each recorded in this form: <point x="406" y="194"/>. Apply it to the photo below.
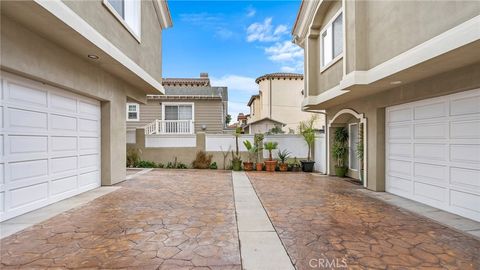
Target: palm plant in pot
<point x="340" y="151"/>
<point x="283" y="155"/>
<point x="257" y="140"/>
<point x="236" y="160"/>
<point x="270" y="164"/>
<point x="252" y="152"/>
<point x="307" y="131"/>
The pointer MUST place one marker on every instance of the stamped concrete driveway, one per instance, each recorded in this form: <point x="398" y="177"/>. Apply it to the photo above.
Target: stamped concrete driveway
<point x="326" y="223"/>
<point x="168" y="219"/>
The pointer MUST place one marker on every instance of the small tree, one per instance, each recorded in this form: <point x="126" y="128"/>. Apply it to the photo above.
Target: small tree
<point x="225" y="155"/>
<point x="283" y="155"/>
<point x="340" y="146"/>
<point x="307" y="130"/>
<point x="228" y="119"/>
<point x="270" y="146"/>
<point x="257" y="141"/>
<point x="252" y="150"/>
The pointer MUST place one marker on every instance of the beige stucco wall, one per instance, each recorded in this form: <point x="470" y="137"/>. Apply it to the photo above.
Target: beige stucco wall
<point x="25" y="53"/>
<point x="206" y="112"/>
<point x="286" y="100"/>
<point x="373" y="107"/>
<point x="147" y="54"/>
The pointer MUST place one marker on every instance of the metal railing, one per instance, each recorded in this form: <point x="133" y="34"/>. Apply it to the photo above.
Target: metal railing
<point x="170" y="127"/>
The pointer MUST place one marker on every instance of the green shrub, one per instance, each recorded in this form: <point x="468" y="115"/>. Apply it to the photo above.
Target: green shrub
<point x="146" y="164"/>
<point x="160" y="165"/>
<point x="181" y="165"/>
<point x="170" y="165"/>
<point x="133" y="157"/>
<point x="202" y="160"/>
<point x="213" y="166"/>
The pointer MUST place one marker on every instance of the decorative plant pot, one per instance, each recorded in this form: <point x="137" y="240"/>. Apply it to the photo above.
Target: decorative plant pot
<point x="248" y="166"/>
<point x="283" y="167"/>
<point x="270" y="165"/>
<point x="259" y="166"/>
<point x="236" y="165"/>
<point x="307" y="166"/>
<point x="296" y="169"/>
<point x="341" y="171"/>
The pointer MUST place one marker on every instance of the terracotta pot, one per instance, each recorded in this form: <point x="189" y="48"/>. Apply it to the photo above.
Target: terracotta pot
<point x="248" y="166"/>
<point x="259" y="166"/>
<point x="283" y="167"/>
<point x="270" y="165"/>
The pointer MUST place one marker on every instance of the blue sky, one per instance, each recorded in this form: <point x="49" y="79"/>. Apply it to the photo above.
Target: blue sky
<point x="234" y="41"/>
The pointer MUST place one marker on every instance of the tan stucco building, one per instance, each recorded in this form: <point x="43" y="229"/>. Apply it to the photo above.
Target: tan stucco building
<point x="407" y="73"/>
<point x="68" y="68"/>
<point x="278" y="103"/>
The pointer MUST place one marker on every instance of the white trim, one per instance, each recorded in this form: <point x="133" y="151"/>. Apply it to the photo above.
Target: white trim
<point x="349" y="145"/>
<point x="163" y="13"/>
<point x="324" y="96"/>
<point x="178" y="103"/>
<point x="72" y="20"/>
<point x="137" y="110"/>
<point x="363" y="120"/>
<point x="320" y="39"/>
<point x="122" y="20"/>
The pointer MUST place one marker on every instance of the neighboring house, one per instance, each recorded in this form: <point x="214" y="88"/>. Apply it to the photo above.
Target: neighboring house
<point x="67" y="68"/>
<point x="278" y="103"/>
<point x="242" y="120"/>
<point x="189" y="105"/>
<point x="410" y="81"/>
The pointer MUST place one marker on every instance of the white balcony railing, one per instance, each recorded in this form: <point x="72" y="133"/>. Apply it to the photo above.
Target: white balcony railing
<point x="170" y="127"/>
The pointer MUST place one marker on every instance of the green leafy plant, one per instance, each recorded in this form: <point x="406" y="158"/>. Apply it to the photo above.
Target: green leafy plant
<point x="283" y="155"/>
<point x="170" y="165"/>
<point x="340" y="146"/>
<point x="146" y="164"/>
<point x="276" y="130"/>
<point x="213" y="166"/>
<point x="160" y="165"/>
<point x="181" y="165"/>
<point x="133" y="157"/>
<point x="270" y="146"/>
<point x="202" y="160"/>
<point x="307" y="130"/>
<point x="236" y="160"/>
<point x="252" y="150"/>
<point x="257" y="141"/>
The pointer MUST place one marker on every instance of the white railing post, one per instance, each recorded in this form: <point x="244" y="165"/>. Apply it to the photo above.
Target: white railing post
<point x="156" y="127"/>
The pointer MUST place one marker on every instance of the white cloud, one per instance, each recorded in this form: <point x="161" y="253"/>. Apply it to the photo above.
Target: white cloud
<point x="287" y="69"/>
<point x="236" y="83"/>
<point x="284" y="51"/>
<point x="251" y="12"/>
<point x="265" y="32"/>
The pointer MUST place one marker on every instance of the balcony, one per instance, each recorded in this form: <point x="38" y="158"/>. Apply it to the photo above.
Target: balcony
<point x="170" y="127"/>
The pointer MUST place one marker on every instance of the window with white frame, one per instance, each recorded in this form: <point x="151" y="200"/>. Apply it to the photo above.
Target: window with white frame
<point x="128" y="13"/>
<point x="180" y="111"/>
<point x="331" y="44"/>
<point x="133" y="112"/>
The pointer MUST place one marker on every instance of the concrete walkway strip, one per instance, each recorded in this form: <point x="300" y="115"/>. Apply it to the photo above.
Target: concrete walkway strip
<point x="260" y="245"/>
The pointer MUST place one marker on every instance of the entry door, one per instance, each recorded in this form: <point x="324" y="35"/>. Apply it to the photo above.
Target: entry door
<point x="49" y="145"/>
<point x="433" y="152"/>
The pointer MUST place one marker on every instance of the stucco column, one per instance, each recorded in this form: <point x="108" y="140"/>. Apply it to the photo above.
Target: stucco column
<point x="113" y="140"/>
<point x="376" y="149"/>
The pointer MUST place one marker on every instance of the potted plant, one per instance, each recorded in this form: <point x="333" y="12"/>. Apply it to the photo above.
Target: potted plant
<point x="258" y="138"/>
<point x="270" y="164"/>
<point x="295" y="165"/>
<point x="340" y="151"/>
<point x="236" y="160"/>
<point x="252" y="152"/>
<point x="360" y="152"/>
<point x="307" y="131"/>
<point x="283" y="155"/>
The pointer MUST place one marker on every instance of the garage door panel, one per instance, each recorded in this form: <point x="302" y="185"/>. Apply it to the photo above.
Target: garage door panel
<point x="469" y="129"/>
<point x="429" y="151"/>
<point x="27" y="94"/>
<point x="400" y="132"/>
<point x="469" y="178"/>
<point x="465" y="106"/>
<point x="22" y="119"/>
<point x="430" y="111"/>
<point x="431" y="131"/>
<point x="446" y="152"/>
<point x="46" y="130"/>
<point x="1" y="116"/>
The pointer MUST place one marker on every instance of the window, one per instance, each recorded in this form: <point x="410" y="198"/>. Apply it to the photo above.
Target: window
<point x="133" y="112"/>
<point x="352" y="143"/>
<point x="178" y="112"/>
<point x="332" y="40"/>
<point x="128" y="13"/>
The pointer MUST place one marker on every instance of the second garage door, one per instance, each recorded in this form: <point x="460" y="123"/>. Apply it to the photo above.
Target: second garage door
<point x="49" y="145"/>
<point x="433" y="152"/>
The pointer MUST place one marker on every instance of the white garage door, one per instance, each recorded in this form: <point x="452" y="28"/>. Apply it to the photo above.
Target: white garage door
<point x="433" y="152"/>
<point x="49" y="145"/>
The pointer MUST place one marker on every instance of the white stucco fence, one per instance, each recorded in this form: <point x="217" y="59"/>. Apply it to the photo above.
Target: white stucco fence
<point x="171" y="141"/>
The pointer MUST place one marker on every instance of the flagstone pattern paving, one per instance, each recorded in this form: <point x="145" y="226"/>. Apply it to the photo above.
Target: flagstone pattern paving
<point x="165" y="219"/>
<point x="327" y="219"/>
